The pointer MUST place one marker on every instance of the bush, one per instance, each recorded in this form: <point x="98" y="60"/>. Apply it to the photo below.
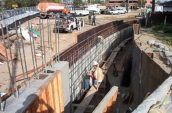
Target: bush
<point x="167" y="29"/>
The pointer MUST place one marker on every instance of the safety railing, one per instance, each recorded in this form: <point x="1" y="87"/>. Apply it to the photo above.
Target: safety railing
<point x="8" y="17"/>
<point x="10" y="13"/>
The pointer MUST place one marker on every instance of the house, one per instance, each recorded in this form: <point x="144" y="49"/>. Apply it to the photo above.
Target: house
<point x="167" y="6"/>
<point x="132" y="4"/>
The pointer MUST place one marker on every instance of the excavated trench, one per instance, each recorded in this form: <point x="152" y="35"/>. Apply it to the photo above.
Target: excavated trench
<point x="136" y="76"/>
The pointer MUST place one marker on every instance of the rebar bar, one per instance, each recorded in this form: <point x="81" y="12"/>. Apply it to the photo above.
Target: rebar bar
<point x="20" y="55"/>
<point x="33" y="61"/>
<point x="34" y="50"/>
<point x="55" y="29"/>
<point x="24" y="56"/>
<point x="8" y="66"/>
<point x="43" y="39"/>
<point x="40" y="27"/>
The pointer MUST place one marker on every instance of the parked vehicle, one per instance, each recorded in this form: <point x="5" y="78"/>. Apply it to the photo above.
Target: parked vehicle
<point x="93" y="8"/>
<point x="47" y="9"/>
<point x="65" y="23"/>
<point x="114" y="12"/>
<point x="118" y="11"/>
<point x="80" y="12"/>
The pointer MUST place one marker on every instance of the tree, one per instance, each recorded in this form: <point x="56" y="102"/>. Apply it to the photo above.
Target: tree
<point x="142" y="3"/>
<point x="77" y="3"/>
<point x="20" y="3"/>
<point x="57" y="1"/>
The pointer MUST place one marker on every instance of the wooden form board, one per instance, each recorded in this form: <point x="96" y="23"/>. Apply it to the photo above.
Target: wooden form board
<point x="105" y="105"/>
<point x="50" y="97"/>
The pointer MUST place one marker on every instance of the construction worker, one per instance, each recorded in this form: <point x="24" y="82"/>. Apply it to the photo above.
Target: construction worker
<point x="97" y="74"/>
<point x="94" y="19"/>
<point x="89" y="18"/>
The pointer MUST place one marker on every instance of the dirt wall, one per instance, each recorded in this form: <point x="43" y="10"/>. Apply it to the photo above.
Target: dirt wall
<point x="146" y="76"/>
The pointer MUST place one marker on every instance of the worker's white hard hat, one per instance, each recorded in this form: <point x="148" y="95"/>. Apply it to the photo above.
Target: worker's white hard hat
<point x="95" y="63"/>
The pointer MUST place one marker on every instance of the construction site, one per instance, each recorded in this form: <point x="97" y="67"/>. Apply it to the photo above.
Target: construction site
<point x="42" y="69"/>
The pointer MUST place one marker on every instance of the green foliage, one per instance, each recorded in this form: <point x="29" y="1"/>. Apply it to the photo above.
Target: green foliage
<point x="1" y="9"/>
<point x="77" y="3"/>
<point x="123" y="4"/>
<point x="141" y="3"/>
<point x="164" y="28"/>
<point x="163" y="32"/>
<point x="97" y="1"/>
<point x="57" y="1"/>
<point x="20" y="3"/>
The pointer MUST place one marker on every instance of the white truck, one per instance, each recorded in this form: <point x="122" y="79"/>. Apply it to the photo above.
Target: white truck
<point x="80" y="12"/>
<point x="93" y="8"/>
<point x="65" y="23"/>
<point x="118" y="11"/>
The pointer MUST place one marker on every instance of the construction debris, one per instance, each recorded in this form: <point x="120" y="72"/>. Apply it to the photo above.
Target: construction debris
<point x="164" y="51"/>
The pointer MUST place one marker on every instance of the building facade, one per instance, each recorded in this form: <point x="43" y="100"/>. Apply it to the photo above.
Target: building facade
<point x="132" y="4"/>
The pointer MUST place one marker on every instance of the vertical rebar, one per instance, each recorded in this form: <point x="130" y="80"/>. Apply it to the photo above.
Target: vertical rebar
<point x="56" y="27"/>
<point x="24" y="53"/>
<point x="34" y="52"/>
<point x="20" y="55"/>
<point x="49" y="40"/>
<point x="40" y="27"/>
<point x="8" y="66"/>
<point x="50" y="34"/>
<point x="58" y="40"/>
<point x="43" y="40"/>
<point x="33" y="61"/>
<point x="9" y="47"/>
<point x="48" y="25"/>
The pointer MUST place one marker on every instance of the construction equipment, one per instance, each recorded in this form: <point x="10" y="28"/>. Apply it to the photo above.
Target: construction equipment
<point x="48" y="9"/>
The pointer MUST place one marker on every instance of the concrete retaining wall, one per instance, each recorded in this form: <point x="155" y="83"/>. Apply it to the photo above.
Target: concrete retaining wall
<point x="98" y="53"/>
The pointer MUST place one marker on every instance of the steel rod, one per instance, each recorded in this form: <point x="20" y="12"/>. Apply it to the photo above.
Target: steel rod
<point x="34" y="52"/>
<point x="55" y="27"/>
<point x="43" y="39"/>
<point x="58" y="40"/>
<point x="40" y="27"/>
<point x="8" y="66"/>
<point x="24" y="56"/>
<point x="20" y="55"/>
<point x="33" y="61"/>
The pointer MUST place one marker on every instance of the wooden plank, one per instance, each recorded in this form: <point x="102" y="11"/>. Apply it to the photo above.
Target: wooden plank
<point x="59" y="86"/>
<point x="105" y="105"/>
<point x="56" y="96"/>
<point x="86" y="100"/>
